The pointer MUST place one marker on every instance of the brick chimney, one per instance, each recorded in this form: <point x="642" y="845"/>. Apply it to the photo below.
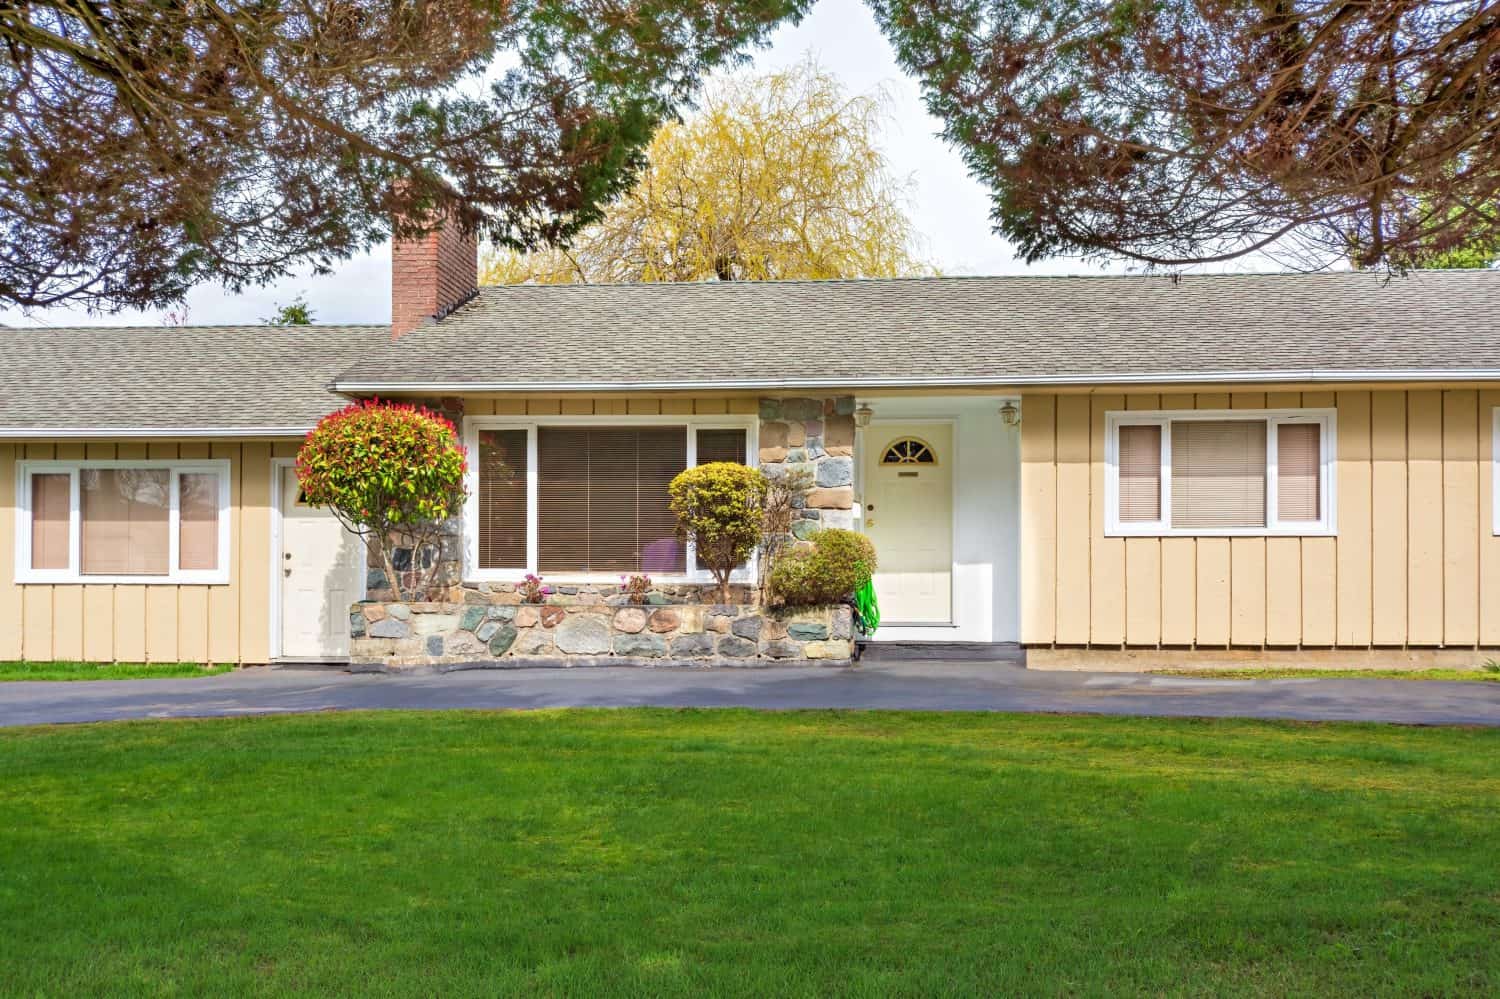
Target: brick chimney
<point x="431" y="276"/>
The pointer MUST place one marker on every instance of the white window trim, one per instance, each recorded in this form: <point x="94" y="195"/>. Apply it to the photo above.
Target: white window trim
<point x="1162" y="528"/>
<point x="473" y="424"/>
<point x="26" y="574"/>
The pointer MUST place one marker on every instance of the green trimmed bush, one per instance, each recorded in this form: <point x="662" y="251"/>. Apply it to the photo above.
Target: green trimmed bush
<point x="839" y="563"/>
<point x="719" y="509"/>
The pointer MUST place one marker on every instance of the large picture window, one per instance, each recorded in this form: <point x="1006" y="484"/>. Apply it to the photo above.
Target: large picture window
<point x="584" y="497"/>
<point x="602" y="499"/>
<point x="122" y="521"/>
<point x="1219" y="473"/>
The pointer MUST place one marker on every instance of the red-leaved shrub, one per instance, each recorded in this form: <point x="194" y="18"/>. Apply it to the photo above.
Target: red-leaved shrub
<point x="391" y="473"/>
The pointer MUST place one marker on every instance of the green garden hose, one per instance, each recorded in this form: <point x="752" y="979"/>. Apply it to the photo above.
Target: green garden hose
<point x="867" y="607"/>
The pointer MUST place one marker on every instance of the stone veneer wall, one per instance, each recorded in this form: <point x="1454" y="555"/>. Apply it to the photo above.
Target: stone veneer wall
<point x="817" y="435"/>
<point x="812" y="433"/>
<point x="396" y="637"/>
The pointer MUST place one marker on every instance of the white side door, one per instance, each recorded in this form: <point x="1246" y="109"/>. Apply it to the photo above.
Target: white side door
<point x="909" y="516"/>
<point x="319" y="571"/>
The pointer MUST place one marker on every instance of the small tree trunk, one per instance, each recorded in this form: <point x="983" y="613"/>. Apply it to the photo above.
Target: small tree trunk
<point x="390" y="570"/>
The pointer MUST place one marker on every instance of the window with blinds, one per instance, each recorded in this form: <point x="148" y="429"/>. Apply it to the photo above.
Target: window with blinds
<point x="86" y="521"/>
<point x="1218" y="473"/>
<point x="198" y="521"/>
<point x="1299" y="464"/>
<point x="1260" y="472"/>
<point x="721" y="445"/>
<point x="51" y="519"/>
<point x="124" y="521"/>
<point x="1140" y="474"/>
<point x="502" y="499"/>
<point x="602" y="499"/>
<point x="600" y="504"/>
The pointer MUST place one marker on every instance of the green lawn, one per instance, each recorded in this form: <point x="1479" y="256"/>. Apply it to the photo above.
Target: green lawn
<point x="659" y="852"/>
<point x="1463" y="675"/>
<point x="104" y="671"/>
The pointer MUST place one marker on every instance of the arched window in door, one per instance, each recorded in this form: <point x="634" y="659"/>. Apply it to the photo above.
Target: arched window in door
<point x="909" y="451"/>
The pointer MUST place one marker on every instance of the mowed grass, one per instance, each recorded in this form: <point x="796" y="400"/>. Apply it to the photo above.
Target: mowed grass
<point x="104" y="671"/>
<point x="678" y="853"/>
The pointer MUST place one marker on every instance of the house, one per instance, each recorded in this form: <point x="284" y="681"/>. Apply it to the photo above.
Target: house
<point x="1105" y="470"/>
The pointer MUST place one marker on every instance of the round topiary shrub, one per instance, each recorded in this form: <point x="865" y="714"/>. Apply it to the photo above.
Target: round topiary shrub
<point x="719" y="508"/>
<point x="839" y="563"/>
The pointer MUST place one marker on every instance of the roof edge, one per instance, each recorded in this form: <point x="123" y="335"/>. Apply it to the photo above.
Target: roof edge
<point x="1193" y="378"/>
<point x="1173" y="276"/>
<point x="70" y="432"/>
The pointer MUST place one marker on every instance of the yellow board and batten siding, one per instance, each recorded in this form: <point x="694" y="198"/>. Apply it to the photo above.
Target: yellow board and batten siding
<point x="1415" y="563"/>
<point x="147" y="623"/>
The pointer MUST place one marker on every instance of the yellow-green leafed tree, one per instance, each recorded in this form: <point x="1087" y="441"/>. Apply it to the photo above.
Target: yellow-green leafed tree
<point x="777" y="176"/>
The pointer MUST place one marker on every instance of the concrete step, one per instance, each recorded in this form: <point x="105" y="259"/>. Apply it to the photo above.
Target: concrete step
<point x="996" y="652"/>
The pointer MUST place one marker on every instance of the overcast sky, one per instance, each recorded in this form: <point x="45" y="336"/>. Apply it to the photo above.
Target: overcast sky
<point x="949" y="208"/>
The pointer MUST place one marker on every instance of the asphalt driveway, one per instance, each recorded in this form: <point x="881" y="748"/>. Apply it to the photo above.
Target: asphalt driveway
<point x="917" y="686"/>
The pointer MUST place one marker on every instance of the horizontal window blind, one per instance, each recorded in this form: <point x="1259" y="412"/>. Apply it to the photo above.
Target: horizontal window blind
<point x="1140" y="474"/>
<point x="502" y="499"/>
<point x="198" y="521"/>
<point x="602" y="497"/>
<point x="721" y="445"/>
<point x="51" y="511"/>
<point x="1298" y="462"/>
<point x="1218" y="473"/>
<point x="125" y="521"/>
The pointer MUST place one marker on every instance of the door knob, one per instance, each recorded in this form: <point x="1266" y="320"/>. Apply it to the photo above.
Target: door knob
<point x="287" y="556"/>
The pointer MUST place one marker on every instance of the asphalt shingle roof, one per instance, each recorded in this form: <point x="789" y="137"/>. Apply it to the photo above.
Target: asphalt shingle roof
<point x="238" y="379"/>
<point x="1442" y="325"/>
<point x="994" y="330"/>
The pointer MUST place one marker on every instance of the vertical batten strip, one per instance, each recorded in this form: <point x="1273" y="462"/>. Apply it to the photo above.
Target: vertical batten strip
<point x="1073" y="499"/>
<point x="1038" y="519"/>
<point x="1489" y="523"/>
<point x="1389" y="536"/>
<point x="1460" y="517"/>
<point x="1107" y="594"/>
<point x="1424" y="566"/>
<point x="1353" y="473"/>
<point x="1319" y="571"/>
<point x="11" y="600"/>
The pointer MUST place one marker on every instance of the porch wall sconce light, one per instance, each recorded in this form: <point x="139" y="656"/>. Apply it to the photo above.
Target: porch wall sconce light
<point x="863" y="415"/>
<point x="1010" y="414"/>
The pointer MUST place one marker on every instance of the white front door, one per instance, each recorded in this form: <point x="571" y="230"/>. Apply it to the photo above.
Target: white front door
<point x="319" y="568"/>
<point x="908" y="514"/>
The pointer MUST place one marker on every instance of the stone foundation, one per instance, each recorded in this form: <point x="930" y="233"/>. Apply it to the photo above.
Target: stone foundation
<point x="504" y="633"/>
